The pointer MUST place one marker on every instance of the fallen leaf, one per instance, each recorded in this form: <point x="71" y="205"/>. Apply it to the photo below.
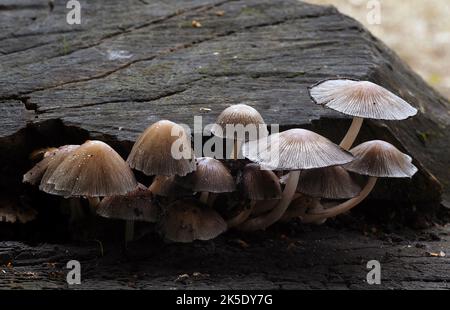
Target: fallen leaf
<point x="196" y="24"/>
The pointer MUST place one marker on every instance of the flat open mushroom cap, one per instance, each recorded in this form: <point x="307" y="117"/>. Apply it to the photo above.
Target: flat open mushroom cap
<point x="35" y="174"/>
<point x="210" y="176"/>
<point x="239" y="114"/>
<point x="260" y="184"/>
<point x="361" y="98"/>
<point x="168" y="187"/>
<point x="295" y="149"/>
<point x="381" y="159"/>
<point x="92" y="170"/>
<point x="188" y="220"/>
<point x="330" y="182"/>
<point x="152" y="152"/>
<point x="137" y="205"/>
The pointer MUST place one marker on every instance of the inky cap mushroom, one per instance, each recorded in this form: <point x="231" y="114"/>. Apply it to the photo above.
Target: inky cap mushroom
<point x="166" y="186"/>
<point x="188" y="220"/>
<point x="92" y="170"/>
<point x="137" y="205"/>
<point x="360" y="99"/>
<point x="152" y="152"/>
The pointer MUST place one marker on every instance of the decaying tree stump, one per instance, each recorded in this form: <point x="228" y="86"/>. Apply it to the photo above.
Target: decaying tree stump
<point x="131" y="63"/>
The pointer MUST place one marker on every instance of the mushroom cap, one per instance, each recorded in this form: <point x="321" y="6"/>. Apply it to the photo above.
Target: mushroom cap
<point x="152" y="152"/>
<point x="295" y="149"/>
<point x="35" y="174"/>
<point x="239" y="114"/>
<point x="362" y="99"/>
<point x="188" y="220"/>
<point x="137" y="205"/>
<point x="167" y="186"/>
<point x="92" y="170"/>
<point x="260" y="184"/>
<point x="330" y="182"/>
<point x="381" y="159"/>
<point x="210" y="176"/>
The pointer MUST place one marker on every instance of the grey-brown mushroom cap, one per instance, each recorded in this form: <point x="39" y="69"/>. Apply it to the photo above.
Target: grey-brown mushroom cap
<point x="137" y="205"/>
<point x="188" y="220"/>
<point x="295" y="149"/>
<point x="210" y="176"/>
<point x="239" y="114"/>
<point x="92" y="170"/>
<point x="260" y="184"/>
<point x="329" y="182"/>
<point x="167" y="186"/>
<point x="35" y="174"/>
<point x="362" y="99"/>
<point x="380" y="159"/>
<point x="152" y="152"/>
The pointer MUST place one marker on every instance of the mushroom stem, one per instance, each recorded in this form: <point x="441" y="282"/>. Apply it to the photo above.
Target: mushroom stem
<point x="93" y="203"/>
<point x="129" y="231"/>
<point x="352" y="133"/>
<point x="265" y="220"/>
<point x="204" y="197"/>
<point x="317" y="215"/>
<point x="264" y="206"/>
<point x="211" y="199"/>
<point x="237" y="144"/>
<point x="242" y="216"/>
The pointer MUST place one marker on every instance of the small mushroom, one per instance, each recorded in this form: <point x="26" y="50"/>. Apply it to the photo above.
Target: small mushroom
<point x="188" y="220"/>
<point x="167" y="186"/>
<point x="360" y="99"/>
<point x="12" y="211"/>
<point x="234" y="120"/>
<point x="291" y="150"/>
<point x="257" y="185"/>
<point x="376" y="159"/>
<point x="211" y="176"/>
<point x="152" y="152"/>
<point x="137" y="205"/>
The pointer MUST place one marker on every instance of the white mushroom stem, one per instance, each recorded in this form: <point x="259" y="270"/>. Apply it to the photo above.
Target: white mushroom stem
<point x="235" y="151"/>
<point x="242" y="216"/>
<point x="129" y="231"/>
<point x="204" y="197"/>
<point x="265" y="220"/>
<point x="352" y="133"/>
<point x="317" y="215"/>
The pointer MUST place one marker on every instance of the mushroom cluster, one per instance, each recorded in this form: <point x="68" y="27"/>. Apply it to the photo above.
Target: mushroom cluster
<point x="294" y="173"/>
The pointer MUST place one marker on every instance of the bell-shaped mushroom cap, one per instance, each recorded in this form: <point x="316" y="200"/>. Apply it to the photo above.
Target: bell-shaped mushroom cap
<point x="362" y="99"/>
<point x="35" y="174"/>
<point x="188" y="220"/>
<point x="168" y="187"/>
<point x="260" y="184"/>
<point x="137" y="205"/>
<point x="92" y="170"/>
<point x="239" y="114"/>
<point x="152" y="152"/>
<point x="210" y="176"/>
<point x="380" y="159"/>
<point x="330" y="182"/>
<point x="295" y="149"/>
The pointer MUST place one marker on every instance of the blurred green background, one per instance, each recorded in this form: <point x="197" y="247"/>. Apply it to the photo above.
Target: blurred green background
<point x="418" y="30"/>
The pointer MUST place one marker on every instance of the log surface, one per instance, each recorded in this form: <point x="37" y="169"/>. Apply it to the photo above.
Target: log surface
<point x="131" y="63"/>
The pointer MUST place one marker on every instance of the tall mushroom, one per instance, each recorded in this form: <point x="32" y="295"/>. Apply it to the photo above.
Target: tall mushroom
<point x="360" y="99"/>
<point x="153" y="154"/>
<point x="92" y="170"/>
<point x="188" y="220"/>
<point x="257" y="185"/>
<point x="376" y="159"/>
<point x="211" y="176"/>
<point x="292" y="150"/>
<point x="239" y="117"/>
